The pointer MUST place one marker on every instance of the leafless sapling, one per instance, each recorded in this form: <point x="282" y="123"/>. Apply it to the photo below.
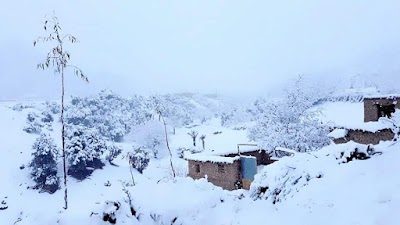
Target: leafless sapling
<point x="58" y="58"/>
<point x="202" y="138"/>
<point x="193" y="134"/>
<point x="166" y="140"/>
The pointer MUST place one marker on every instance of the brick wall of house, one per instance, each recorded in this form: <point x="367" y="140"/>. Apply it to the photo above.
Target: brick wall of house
<point x="371" y="109"/>
<point x="225" y="178"/>
<point x="365" y="137"/>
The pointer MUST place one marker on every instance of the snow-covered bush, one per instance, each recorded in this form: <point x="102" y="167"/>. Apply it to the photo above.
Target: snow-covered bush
<point x="395" y="121"/>
<point x="290" y="123"/>
<point x="46" y="118"/>
<point x="44" y="164"/>
<point x="111" y="210"/>
<point x="53" y="107"/>
<point x="84" y="148"/>
<point x="34" y="124"/>
<point x="283" y="179"/>
<point x="139" y="158"/>
<point x="113" y="152"/>
<point x="354" y="151"/>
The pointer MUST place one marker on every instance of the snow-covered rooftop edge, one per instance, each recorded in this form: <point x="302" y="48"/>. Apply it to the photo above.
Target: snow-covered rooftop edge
<point x="242" y="149"/>
<point x="373" y="127"/>
<point x="338" y="133"/>
<point x="388" y="96"/>
<point x="211" y="158"/>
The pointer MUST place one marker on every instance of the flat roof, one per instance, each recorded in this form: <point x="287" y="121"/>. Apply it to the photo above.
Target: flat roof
<point x="386" y="96"/>
<point x="211" y="158"/>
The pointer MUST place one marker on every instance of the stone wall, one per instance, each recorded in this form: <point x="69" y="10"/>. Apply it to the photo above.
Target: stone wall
<point x="224" y="175"/>
<point x="366" y="137"/>
<point x="371" y="107"/>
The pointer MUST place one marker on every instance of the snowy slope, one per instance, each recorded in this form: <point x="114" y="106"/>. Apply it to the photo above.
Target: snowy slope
<point x="359" y="192"/>
<point x="215" y="143"/>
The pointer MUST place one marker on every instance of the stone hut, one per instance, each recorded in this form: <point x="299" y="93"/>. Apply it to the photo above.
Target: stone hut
<point x="230" y="170"/>
<point x="224" y="172"/>
<point x="373" y="130"/>
<point x="380" y="106"/>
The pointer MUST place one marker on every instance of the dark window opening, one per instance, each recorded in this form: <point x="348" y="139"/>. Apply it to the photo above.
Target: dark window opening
<point x="221" y="168"/>
<point x="386" y="110"/>
<point x="197" y="168"/>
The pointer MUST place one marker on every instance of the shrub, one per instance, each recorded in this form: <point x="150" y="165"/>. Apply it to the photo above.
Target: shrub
<point x="34" y="124"/>
<point x="84" y="148"/>
<point x="44" y="164"/>
<point x="112" y="152"/>
<point x="139" y="159"/>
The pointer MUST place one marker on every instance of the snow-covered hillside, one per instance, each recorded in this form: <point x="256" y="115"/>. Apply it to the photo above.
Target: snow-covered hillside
<point x="331" y="192"/>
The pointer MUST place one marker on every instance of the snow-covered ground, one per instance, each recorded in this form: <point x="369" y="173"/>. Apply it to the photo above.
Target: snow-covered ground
<point x="359" y="192"/>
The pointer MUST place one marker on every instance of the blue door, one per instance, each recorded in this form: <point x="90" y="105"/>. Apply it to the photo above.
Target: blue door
<point x="249" y="167"/>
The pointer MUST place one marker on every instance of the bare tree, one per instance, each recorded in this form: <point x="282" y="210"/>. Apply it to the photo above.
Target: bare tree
<point x="166" y="140"/>
<point x="202" y="138"/>
<point x="193" y="134"/>
<point x="58" y="59"/>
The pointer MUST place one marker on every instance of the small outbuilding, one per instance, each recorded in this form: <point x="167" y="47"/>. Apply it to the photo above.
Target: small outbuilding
<point x="230" y="170"/>
<point x="374" y="129"/>
<point x="380" y="106"/>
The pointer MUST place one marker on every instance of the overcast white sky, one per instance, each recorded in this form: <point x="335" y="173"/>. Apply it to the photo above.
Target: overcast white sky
<point x="226" y="46"/>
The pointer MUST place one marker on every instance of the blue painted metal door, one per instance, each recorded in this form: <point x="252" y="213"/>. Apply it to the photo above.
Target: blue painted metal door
<point x="249" y="167"/>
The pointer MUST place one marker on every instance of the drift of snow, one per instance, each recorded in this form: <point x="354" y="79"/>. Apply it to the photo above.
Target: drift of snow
<point x="331" y="190"/>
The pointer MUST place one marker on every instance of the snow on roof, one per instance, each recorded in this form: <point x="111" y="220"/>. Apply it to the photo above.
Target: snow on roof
<point x="372" y="126"/>
<point x="285" y="150"/>
<point x="248" y="156"/>
<point x="341" y="114"/>
<point x="211" y="158"/>
<point x="347" y="115"/>
<point x="387" y="96"/>
<point x="242" y="149"/>
<point x="338" y="133"/>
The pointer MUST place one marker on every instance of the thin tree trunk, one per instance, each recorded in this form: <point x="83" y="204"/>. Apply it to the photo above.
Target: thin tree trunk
<point x="63" y="140"/>
<point x="130" y="169"/>
<point x="166" y="139"/>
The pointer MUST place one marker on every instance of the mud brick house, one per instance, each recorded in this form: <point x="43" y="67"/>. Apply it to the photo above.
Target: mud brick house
<point x="230" y="170"/>
<point x="374" y="129"/>
<point x="380" y="106"/>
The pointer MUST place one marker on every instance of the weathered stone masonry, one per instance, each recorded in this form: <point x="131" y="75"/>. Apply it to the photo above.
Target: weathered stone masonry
<point x="224" y="175"/>
<point x="366" y="137"/>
